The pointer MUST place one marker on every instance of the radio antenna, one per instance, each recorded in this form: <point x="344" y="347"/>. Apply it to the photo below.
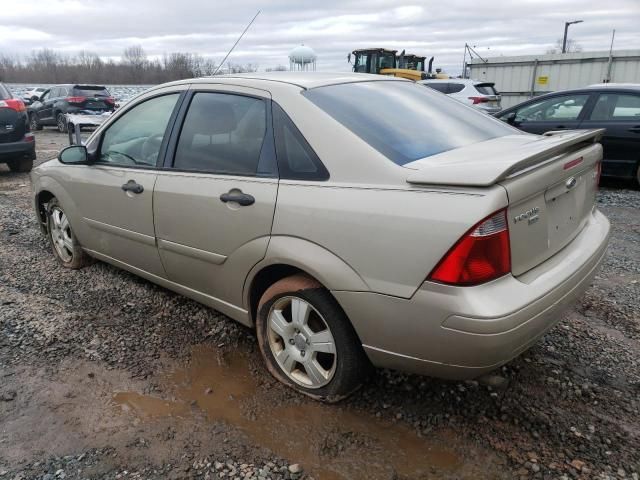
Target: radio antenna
<point x="234" y="45"/>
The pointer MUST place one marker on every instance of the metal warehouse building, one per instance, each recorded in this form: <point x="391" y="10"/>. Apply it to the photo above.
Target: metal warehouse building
<point x="522" y="77"/>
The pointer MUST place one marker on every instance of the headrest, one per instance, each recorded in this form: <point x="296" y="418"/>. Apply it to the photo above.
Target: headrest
<point x="211" y="117"/>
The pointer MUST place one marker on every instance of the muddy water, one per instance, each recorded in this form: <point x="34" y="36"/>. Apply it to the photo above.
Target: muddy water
<point x="329" y="441"/>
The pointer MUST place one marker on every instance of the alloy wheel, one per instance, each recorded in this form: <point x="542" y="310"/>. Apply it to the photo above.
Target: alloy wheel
<point x="61" y="235"/>
<point x="301" y="342"/>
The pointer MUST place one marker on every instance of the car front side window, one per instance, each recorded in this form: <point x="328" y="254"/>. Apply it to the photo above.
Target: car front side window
<point x="566" y="107"/>
<point x="135" y="138"/>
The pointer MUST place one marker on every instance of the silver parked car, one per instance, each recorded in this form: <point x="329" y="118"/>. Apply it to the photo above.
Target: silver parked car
<point x="480" y="95"/>
<point x="342" y="215"/>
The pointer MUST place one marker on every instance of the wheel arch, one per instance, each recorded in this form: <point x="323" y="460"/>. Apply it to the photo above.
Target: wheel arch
<point x="288" y="256"/>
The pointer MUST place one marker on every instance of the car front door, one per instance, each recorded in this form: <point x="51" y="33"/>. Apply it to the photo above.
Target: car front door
<point x="619" y="113"/>
<point x="560" y="112"/>
<point x="45" y="109"/>
<point x="114" y="194"/>
<point x="214" y="202"/>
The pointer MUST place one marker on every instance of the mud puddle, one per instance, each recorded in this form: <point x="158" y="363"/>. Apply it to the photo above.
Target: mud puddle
<point x="330" y="441"/>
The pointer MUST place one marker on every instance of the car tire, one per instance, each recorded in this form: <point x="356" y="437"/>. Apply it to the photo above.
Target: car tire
<point x="329" y="369"/>
<point x="34" y="124"/>
<point x="61" y="122"/>
<point x="63" y="242"/>
<point x="20" y="165"/>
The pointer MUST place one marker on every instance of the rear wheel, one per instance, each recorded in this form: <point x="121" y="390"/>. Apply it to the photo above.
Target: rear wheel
<point x="61" y="122"/>
<point x="20" y="165"/>
<point x="307" y="341"/>
<point x="65" y="246"/>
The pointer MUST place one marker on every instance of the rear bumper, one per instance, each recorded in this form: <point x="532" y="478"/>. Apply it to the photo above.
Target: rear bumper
<point x="464" y="332"/>
<point x="17" y="149"/>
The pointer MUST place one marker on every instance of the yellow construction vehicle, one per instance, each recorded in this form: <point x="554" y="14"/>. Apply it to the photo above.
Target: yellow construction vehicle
<point x="383" y="61"/>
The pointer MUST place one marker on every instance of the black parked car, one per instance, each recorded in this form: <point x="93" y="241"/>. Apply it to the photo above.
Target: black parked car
<point x="615" y="107"/>
<point x="17" y="143"/>
<point x="54" y="103"/>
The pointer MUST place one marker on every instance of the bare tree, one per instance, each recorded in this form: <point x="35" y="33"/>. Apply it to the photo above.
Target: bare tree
<point x="572" y="46"/>
<point x="277" y="68"/>
<point x="49" y="66"/>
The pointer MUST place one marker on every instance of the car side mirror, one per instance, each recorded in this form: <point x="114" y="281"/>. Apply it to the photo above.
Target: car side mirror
<point x="510" y="118"/>
<point x="74" y="155"/>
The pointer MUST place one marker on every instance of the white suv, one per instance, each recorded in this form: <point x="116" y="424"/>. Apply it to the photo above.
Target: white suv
<point x="481" y="95"/>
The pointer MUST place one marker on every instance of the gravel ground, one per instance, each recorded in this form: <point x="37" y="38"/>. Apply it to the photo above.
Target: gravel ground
<point x="104" y="375"/>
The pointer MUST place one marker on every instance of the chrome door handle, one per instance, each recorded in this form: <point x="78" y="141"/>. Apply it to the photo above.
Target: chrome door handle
<point x="133" y="187"/>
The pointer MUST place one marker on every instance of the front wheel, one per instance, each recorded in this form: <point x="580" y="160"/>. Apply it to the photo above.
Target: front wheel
<point x="307" y="341"/>
<point x="65" y="246"/>
<point x="62" y="123"/>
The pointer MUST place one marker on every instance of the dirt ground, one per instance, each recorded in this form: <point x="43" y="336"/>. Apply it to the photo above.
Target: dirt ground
<point x="104" y="375"/>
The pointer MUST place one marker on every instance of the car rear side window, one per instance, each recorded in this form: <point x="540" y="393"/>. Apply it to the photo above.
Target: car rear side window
<point x="405" y="121"/>
<point x="617" y="107"/>
<point x="296" y="158"/>
<point x="222" y="133"/>
<point x="455" y="87"/>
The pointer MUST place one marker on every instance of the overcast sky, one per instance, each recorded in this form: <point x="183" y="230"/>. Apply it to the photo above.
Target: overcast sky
<point x="332" y="28"/>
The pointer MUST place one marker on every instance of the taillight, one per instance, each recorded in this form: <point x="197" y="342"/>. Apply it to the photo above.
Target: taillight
<point x="75" y="99"/>
<point x="477" y="100"/>
<point x="28" y="137"/>
<point x="481" y="255"/>
<point x="14" y="104"/>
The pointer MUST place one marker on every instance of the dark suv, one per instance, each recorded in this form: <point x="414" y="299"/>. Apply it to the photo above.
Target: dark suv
<point x="17" y="144"/>
<point x="53" y="104"/>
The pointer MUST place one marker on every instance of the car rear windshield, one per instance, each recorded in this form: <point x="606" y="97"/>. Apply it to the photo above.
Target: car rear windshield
<point x="405" y="121"/>
<point x="90" y="91"/>
<point x="4" y="92"/>
<point x="486" y="89"/>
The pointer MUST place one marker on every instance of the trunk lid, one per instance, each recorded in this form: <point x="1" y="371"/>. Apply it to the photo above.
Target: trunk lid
<point x="550" y="180"/>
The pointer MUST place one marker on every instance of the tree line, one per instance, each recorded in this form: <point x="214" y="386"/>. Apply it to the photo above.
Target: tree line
<point x="134" y="67"/>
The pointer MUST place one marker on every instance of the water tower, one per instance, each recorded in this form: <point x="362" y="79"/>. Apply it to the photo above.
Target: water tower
<point x="302" y="58"/>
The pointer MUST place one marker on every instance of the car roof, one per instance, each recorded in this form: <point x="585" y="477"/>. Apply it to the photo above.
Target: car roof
<point x="305" y="80"/>
<point x="623" y="86"/>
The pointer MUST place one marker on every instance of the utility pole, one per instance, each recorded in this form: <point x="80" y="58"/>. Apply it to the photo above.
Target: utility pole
<point x="566" y="27"/>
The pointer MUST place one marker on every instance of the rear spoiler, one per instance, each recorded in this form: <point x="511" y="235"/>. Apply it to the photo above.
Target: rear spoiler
<point x="466" y="169"/>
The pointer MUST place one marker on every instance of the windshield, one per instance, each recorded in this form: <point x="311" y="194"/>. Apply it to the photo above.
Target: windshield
<point x="405" y="121"/>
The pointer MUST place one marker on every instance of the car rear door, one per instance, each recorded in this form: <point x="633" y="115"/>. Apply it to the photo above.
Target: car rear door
<point x="114" y="194"/>
<point x="559" y="112"/>
<point x="214" y="202"/>
<point x="619" y="113"/>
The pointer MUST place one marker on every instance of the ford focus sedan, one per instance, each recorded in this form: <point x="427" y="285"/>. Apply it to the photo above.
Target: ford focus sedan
<point x="353" y="220"/>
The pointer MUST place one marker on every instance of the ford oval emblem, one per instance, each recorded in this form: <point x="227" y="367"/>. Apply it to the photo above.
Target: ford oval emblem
<point x="572" y="182"/>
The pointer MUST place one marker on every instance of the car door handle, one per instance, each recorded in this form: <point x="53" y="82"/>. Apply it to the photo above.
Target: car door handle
<point x="240" y="198"/>
<point x="561" y="127"/>
<point x="133" y="187"/>
<point x="635" y="129"/>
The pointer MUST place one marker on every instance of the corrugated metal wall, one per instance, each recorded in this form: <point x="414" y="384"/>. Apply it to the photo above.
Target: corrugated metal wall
<point x="520" y="78"/>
